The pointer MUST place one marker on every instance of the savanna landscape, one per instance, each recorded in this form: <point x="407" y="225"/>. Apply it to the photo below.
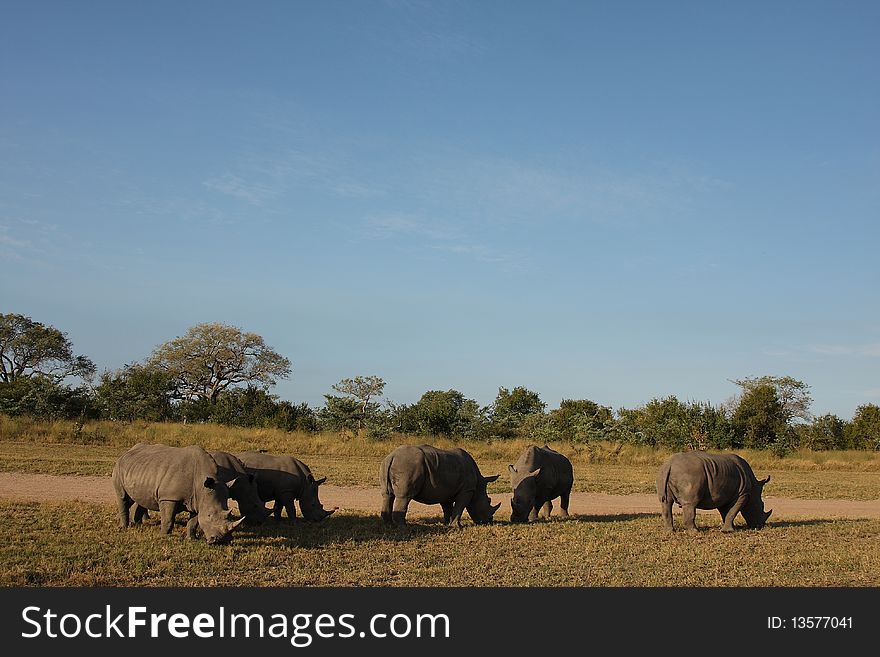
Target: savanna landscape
<point x="61" y="528"/>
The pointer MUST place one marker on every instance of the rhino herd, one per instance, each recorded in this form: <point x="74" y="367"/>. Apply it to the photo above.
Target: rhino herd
<point x="169" y="480"/>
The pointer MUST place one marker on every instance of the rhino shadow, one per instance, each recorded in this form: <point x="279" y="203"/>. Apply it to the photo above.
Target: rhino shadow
<point x="810" y="522"/>
<point x="611" y="517"/>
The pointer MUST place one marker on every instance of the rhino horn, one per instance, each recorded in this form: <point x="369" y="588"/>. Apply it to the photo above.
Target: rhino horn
<point x="767" y="514"/>
<point x="331" y="512"/>
<point x="535" y="473"/>
<point x="320" y="481"/>
<point x="489" y="480"/>
<point x="231" y="482"/>
<point x="495" y="507"/>
<point x="233" y="525"/>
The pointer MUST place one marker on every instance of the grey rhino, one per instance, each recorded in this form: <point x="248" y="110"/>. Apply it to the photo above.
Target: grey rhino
<point x="244" y="490"/>
<point x="171" y="479"/>
<point x="283" y="479"/>
<point x="539" y="476"/>
<point x="426" y="474"/>
<point x="697" y="480"/>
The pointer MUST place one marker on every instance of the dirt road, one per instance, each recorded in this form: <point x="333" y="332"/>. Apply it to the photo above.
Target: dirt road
<point x="53" y="488"/>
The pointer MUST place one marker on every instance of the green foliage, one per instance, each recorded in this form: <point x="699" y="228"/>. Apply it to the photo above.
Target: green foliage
<point x="825" y="432"/>
<point x="581" y="420"/>
<point x="793" y="395"/>
<point x="668" y="422"/>
<point x="510" y="409"/>
<point x="864" y="430"/>
<point x="760" y="419"/>
<point x="40" y="397"/>
<point x="362" y="389"/>
<point x="212" y="357"/>
<point x="343" y="414"/>
<point x="136" y="392"/>
<point x="29" y="349"/>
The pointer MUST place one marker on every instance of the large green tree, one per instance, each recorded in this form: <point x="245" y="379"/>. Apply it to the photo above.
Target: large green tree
<point x="760" y="418"/>
<point x="864" y="430"/>
<point x="32" y="349"/>
<point x="793" y="395"/>
<point x="211" y="357"/>
<point x="362" y="390"/>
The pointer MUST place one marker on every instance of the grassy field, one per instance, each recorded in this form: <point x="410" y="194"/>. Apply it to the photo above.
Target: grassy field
<point x="67" y="448"/>
<point x="80" y="545"/>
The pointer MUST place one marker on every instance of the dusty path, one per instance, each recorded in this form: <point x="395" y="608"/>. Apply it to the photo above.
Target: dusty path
<point x="55" y="488"/>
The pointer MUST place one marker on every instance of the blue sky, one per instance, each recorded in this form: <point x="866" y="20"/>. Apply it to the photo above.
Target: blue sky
<point x="614" y="201"/>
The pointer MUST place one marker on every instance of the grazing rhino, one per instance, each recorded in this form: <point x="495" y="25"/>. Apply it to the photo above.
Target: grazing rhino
<point x="172" y="479"/>
<point x="697" y="480"/>
<point x="448" y="477"/>
<point x="539" y="476"/>
<point x="244" y="490"/>
<point x="283" y="479"/>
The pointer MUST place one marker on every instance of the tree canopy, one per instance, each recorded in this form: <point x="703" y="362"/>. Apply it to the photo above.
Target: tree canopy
<point x="32" y="349"/>
<point x="211" y="357"/>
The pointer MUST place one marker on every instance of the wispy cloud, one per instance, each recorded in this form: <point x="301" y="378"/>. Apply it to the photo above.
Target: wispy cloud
<point x="255" y="193"/>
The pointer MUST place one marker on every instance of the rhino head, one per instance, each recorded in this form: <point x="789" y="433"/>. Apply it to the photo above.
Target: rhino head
<point x="243" y="489"/>
<point x="212" y="499"/>
<point x="753" y="511"/>
<point x="310" y="504"/>
<point x="481" y="508"/>
<point x="524" y="492"/>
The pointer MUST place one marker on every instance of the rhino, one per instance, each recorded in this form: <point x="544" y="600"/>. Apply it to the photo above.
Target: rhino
<point x="283" y="479"/>
<point x="172" y="479"/>
<point x="539" y="476"/>
<point x="426" y="474"/>
<point x="244" y="490"/>
<point x="697" y="480"/>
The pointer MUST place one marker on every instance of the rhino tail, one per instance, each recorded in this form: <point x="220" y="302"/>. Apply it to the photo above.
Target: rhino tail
<point x="663" y="483"/>
<point x="385" y="475"/>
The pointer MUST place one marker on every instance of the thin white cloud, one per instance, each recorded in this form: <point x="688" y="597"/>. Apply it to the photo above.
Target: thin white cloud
<point x="255" y="193"/>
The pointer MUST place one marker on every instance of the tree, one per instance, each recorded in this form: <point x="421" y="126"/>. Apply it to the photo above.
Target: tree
<point x="211" y="357"/>
<point x="760" y="419"/>
<point x="581" y="419"/>
<point x="136" y="392"/>
<point x="864" y="430"/>
<point x="825" y="432"/>
<point x="32" y="349"/>
<point x="793" y="395"/>
<point x="361" y="389"/>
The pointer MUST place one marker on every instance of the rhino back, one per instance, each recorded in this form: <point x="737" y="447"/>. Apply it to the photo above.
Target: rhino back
<point x="707" y="480"/>
<point x="150" y="474"/>
<point x="448" y="472"/>
<point x="229" y="466"/>
<point x="556" y="475"/>
<point x="275" y="474"/>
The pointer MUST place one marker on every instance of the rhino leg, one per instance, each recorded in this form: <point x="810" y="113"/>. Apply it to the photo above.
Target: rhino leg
<point x="563" y="504"/>
<point x="167" y="511"/>
<point x="732" y="512"/>
<point x="458" y="506"/>
<point x="533" y="514"/>
<point x="276" y="510"/>
<point x="124" y="502"/>
<point x="666" y="511"/>
<point x="387" y="506"/>
<point x="546" y="509"/>
<point x="689" y="516"/>
<point x="398" y="510"/>
<point x="447" y="511"/>
<point x="192" y="527"/>
<point x="139" y="514"/>
<point x="286" y="500"/>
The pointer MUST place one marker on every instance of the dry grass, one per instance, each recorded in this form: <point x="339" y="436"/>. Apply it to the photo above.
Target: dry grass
<point x="80" y="545"/>
<point x="31" y="446"/>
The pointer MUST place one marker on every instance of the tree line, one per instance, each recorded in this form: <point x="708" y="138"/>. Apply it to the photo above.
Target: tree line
<point x="218" y="373"/>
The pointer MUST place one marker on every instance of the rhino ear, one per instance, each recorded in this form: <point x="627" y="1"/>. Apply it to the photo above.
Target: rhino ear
<point x="511" y="468"/>
<point x="764" y="481"/>
<point x="489" y="480"/>
<point x="320" y="481"/>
